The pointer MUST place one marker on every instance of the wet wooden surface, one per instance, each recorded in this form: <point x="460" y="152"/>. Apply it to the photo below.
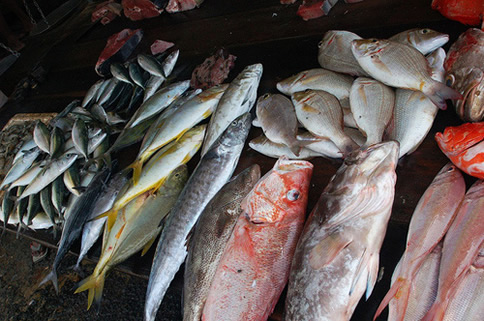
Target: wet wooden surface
<point x="256" y="32"/>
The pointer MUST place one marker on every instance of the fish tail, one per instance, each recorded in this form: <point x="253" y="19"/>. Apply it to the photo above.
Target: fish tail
<point x="52" y="276"/>
<point x="436" y="312"/>
<point x="295" y="149"/>
<point x="137" y="166"/>
<point x="399" y="291"/>
<point x="438" y="92"/>
<point x="95" y="285"/>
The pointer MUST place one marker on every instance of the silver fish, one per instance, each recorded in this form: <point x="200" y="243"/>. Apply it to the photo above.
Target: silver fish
<point x="237" y="99"/>
<point x="337" y="256"/>
<point x="57" y="195"/>
<point x="26" y="146"/>
<point x="372" y="105"/>
<point x="72" y="179"/>
<point x="121" y="73"/>
<point x="91" y="92"/>
<point x="401" y="66"/>
<point x="210" y="236"/>
<point x="169" y="63"/>
<point x="112" y="86"/>
<point x="335" y="53"/>
<point x="212" y="172"/>
<point x="42" y="136"/>
<point x="151" y="65"/>
<point x="424" y="40"/>
<point x="268" y="148"/>
<point x="32" y="207"/>
<point x="28" y="176"/>
<point x="46" y="204"/>
<point x="323" y="146"/>
<point x="21" y="166"/>
<point x="80" y="137"/>
<point x="136" y="75"/>
<point x="56" y="142"/>
<point x="152" y="85"/>
<point x="102" y="88"/>
<point x="278" y="120"/>
<point x="336" y="84"/>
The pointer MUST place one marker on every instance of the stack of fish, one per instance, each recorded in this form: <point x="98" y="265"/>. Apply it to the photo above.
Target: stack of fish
<point x="440" y="275"/>
<point x="330" y="104"/>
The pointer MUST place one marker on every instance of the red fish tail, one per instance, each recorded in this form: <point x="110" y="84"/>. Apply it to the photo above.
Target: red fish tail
<point x="399" y="291"/>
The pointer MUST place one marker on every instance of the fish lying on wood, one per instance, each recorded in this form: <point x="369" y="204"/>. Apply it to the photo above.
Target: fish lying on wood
<point x="337" y="256"/>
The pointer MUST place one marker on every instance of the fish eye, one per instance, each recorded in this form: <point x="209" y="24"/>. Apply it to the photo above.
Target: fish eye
<point x="234" y="123"/>
<point x="265" y="96"/>
<point x="372" y="56"/>
<point x="320" y="44"/>
<point x="293" y="195"/>
<point x="424" y="31"/>
<point x="451" y="169"/>
<point x="374" y="40"/>
<point x="449" y="80"/>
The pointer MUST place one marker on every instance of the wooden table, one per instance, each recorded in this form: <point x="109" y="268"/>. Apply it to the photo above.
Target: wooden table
<point x="256" y="31"/>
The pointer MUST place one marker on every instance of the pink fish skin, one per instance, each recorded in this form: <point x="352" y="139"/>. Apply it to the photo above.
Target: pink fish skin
<point x="430" y="221"/>
<point x="337" y="256"/>
<point x="461" y="247"/>
<point x="255" y="265"/>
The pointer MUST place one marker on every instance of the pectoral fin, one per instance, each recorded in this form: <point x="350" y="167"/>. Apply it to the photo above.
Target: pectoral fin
<point x="327" y="250"/>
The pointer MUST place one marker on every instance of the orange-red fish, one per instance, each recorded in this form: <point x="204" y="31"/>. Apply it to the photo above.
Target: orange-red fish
<point x="255" y="265"/>
<point x="464" y="146"/>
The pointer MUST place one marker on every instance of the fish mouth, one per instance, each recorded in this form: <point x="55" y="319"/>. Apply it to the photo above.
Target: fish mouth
<point x="285" y="165"/>
<point x="466" y="107"/>
<point x="376" y="158"/>
<point x="366" y="47"/>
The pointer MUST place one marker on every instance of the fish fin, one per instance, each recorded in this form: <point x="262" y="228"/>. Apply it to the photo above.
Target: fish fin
<point x="362" y="264"/>
<point x="436" y="312"/>
<point x="118" y="235"/>
<point x="372" y="274"/>
<point x="180" y="135"/>
<point x="394" y="292"/>
<point x="295" y="149"/>
<point x="326" y="250"/>
<point x="148" y="245"/>
<point x="52" y="276"/>
<point x="95" y="285"/>
<point x="111" y="214"/>
<point x="137" y="166"/>
<point x="439" y="92"/>
<point x="158" y="185"/>
<point x="207" y="113"/>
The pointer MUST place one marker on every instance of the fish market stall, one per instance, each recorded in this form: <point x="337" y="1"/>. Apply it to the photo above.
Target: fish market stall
<point x="264" y="44"/>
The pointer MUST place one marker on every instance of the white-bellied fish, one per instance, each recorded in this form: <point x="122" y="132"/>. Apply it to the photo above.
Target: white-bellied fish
<point x="268" y="148"/>
<point x="424" y="40"/>
<point x="42" y="136"/>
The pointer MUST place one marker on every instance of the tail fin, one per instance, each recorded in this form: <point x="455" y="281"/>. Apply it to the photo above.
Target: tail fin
<point x="52" y="276"/>
<point x="436" y="312"/>
<point x="399" y="291"/>
<point x="438" y="92"/>
<point x="95" y="285"/>
<point x="137" y="166"/>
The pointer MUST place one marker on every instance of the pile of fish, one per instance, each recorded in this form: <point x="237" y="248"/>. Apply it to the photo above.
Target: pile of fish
<point x="341" y="113"/>
<point x="440" y="275"/>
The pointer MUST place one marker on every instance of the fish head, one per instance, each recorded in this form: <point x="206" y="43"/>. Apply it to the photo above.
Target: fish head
<point x="281" y="193"/>
<point x="287" y="84"/>
<point x="177" y="177"/>
<point x="455" y="140"/>
<point x="236" y="132"/>
<point x="337" y="38"/>
<point x="368" y="47"/>
<point x="436" y="64"/>
<point x="470" y="83"/>
<point x="427" y="40"/>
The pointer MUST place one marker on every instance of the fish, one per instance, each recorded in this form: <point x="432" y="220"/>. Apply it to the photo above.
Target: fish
<point x="21" y="209"/>
<point x="57" y="195"/>
<point x="75" y="221"/>
<point x="238" y="98"/>
<point x="136" y="74"/>
<point x="468" y="12"/>
<point x="190" y="114"/>
<point x="169" y="63"/>
<point x="372" y="105"/>
<point x="39" y="222"/>
<point x="337" y="256"/>
<point x="101" y="89"/>
<point x="401" y="66"/>
<point x="151" y="65"/>
<point x="323" y="146"/>
<point x="466" y="303"/>
<point x="72" y="179"/>
<point x="268" y="148"/>
<point x="254" y="267"/>
<point x="278" y="120"/>
<point x="20" y="166"/>
<point x="47" y="207"/>
<point x="462" y="244"/>
<point x="56" y="142"/>
<point x="33" y="207"/>
<point x="335" y="53"/>
<point x="430" y="221"/>
<point x="209" y="238"/>
<point x="93" y="228"/>
<point x="28" y="176"/>
<point x="152" y="85"/>
<point x="91" y="93"/>
<point x="159" y="167"/>
<point x="321" y="114"/>
<point x="336" y="84"/>
<point x="212" y="172"/>
<point x="112" y="86"/>
<point x="7" y="207"/>
<point x="423" y="289"/>
<point x="42" y="136"/>
<point x="130" y="136"/>
<point x="26" y="146"/>
<point x="121" y="73"/>
<point x="80" y="137"/>
<point x="465" y="73"/>
<point x="464" y="146"/>
<point x="138" y="225"/>
<point x="158" y="102"/>
<point x="424" y="40"/>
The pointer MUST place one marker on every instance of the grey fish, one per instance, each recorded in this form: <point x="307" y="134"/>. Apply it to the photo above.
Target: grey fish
<point x="57" y="141"/>
<point x="28" y="176"/>
<point x="110" y="89"/>
<point x="130" y="136"/>
<point x="121" y="73"/>
<point x="268" y="148"/>
<point x="72" y="179"/>
<point x="57" y="195"/>
<point x="209" y="238"/>
<point x="46" y="204"/>
<point x="33" y="207"/>
<point x="7" y="207"/>
<point x="278" y="120"/>
<point x="152" y="85"/>
<point x="211" y="173"/>
<point x="93" y="228"/>
<point x="99" y="113"/>
<point x="26" y="146"/>
<point x="169" y="63"/>
<point x="238" y="98"/>
<point x="42" y="136"/>
<point x="151" y="65"/>
<point x="102" y="88"/>
<point x="324" y="147"/>
<point x="91" y="92"/>
<point x="337" y="256"/>
<point x="21" y="166"/>
<point x="80" y="137"/>
<point x="21" y="209"/>
<point x="75" y="222"/>
<point x="424" y="40"/>
<point x="136" y="74"/>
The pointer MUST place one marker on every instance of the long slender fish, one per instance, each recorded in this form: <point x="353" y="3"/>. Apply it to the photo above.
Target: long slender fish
<point x="75" y="222"/>
<point x="21" y="166"/>
<point x="210" y="236"/>
<point x="430" y="221"/>
<point x="401" y="66"/>
<point x="254" y="268"/>
<point x="238" y="98"/>
<point x="337" y="256"/>
<point x="213" y="171"/>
